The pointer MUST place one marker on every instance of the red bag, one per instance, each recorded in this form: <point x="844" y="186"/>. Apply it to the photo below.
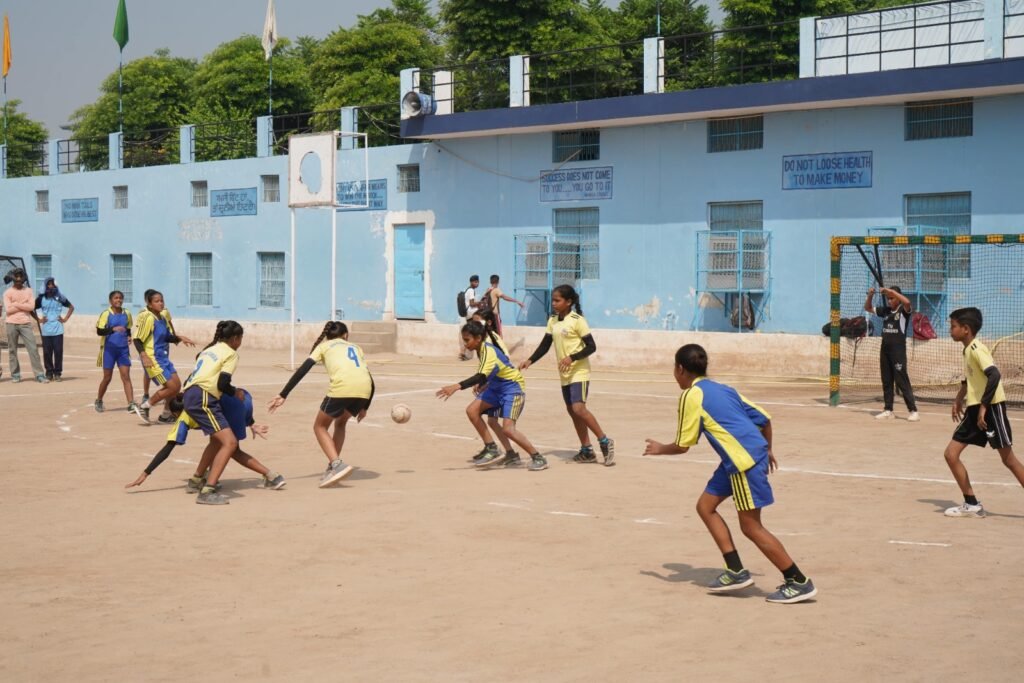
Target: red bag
<point x="923" y="329"/>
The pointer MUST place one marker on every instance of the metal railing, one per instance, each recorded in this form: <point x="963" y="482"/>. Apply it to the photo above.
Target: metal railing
<point x="156" y="147"/>
<point x="284" y="126"/>
<point x="83" y="154"/>
<point x="27" y="159"/>
<point x="223" y="140"/>
<point x="474" y="85"/>
<point x="750" y="54"/>
<point x="382" y="124"/>
<point x="946" y="32"/>
<point x="586" y="74"/>
<point x="1013" y="28"/>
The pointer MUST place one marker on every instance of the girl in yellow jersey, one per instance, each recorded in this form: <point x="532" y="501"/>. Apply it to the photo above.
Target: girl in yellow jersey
<point x="569" y="332"/>
<point x="504" y="390"/>
<point x="349" y="395"/>
<point x="512" y="459"/>
<point x="153" y="336"/>
<point x="209" y="380"/>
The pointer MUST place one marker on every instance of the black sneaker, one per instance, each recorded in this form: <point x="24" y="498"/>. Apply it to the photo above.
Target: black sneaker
<point x="490" y="452"/>
<point x="585" y="455"/>
<point x="512" y="459"/>
<point x="537" y="463"/>
<point x="165" y="418"/>
<point x="608" y="451"/>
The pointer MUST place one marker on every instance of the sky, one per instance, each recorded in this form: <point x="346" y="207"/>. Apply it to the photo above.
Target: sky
<point x="61" y="50"/>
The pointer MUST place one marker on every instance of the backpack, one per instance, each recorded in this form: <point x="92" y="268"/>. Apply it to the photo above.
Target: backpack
<point x="923" y="329"/>
<point x="460" y="303"/>
<point x="853" y="328"/>
<point x="484" y="305"/>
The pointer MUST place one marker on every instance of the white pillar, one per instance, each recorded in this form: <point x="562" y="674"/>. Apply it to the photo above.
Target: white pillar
<point x="654" y="65"/>
<point x="519" y="81"/>
<point x="808" y="47"/>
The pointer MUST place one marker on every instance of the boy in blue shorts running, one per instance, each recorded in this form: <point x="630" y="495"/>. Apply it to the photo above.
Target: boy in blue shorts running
<point x="741" y="433"/>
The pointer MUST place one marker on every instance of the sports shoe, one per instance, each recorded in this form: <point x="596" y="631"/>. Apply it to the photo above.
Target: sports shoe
<point x="512" y="459"/>
<point x="166" y="418"/>
<point x="484" y="452"/>
<point x="143" y="414"/>
<point x="913" y="417"/>
<point x="886" y="415"/>
<point x="537" y="463"/>
<point x="793" y="591"/>
<point x="42" y="379"/>
<point x="145" y="397"/>
<point x="608" y="451"/>
<point x="585" y="455"/>
<point x="98" y="405"/>
<point x="194" y="484"/>
<point x="494" y="457"/>
<point x="275" y="484"/>
<point x="15" y="379"/>
<point x="335" y="472"/>
<point x="209" y="496"/>
<point x="131" y="407"/>
<point x="966" y="510"/>
<point x="731" y="581"/>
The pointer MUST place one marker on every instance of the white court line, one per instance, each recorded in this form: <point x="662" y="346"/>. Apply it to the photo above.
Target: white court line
<point x="569" y="514"/>
<point x="651" y="520"/>
<point x="937" y="545"/>
<point x="454" y="436"/>
<point x="509" y="505"/>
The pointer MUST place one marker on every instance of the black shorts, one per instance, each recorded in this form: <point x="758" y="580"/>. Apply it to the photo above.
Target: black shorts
<point x="998" y="434"/>
<point x="334" y="407"/>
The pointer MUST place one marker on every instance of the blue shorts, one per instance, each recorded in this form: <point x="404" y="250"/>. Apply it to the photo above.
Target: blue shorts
<point x="162" y="370"/>
<point x="575" y="392"/>
<point x="750" y="490"/>
<point x="206" y="410"/>
<point x="237" y="413"/>
<point x="113" y="355"/>
<point x="506" y="403"/>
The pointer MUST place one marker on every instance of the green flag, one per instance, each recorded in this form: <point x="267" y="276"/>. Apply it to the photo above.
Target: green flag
<point x="121" y="25"/>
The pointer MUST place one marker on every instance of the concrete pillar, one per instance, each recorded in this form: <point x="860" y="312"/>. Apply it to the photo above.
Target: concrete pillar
<point x="519" y="81"/>
<point x="808" y="47"/>
<point x="187" y="144"/>
<point x="993" y="29"/>
<point x="53" y="152"/>
<point x="115" y="151"/>
<point x="264" y="130"/>
<point x="349" y="124"/>
<point x="654" y="65"/>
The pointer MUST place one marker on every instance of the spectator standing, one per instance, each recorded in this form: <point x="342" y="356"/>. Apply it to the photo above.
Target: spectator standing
<point x="19" y="304"/>
<point x="471" y="307"/>
<point x="50" y="307"/>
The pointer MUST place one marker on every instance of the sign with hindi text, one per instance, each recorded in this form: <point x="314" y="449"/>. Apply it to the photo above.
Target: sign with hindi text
<point x="237" y="202"/>
<point x="85" y="210"/>
<point x="833" y="171"/>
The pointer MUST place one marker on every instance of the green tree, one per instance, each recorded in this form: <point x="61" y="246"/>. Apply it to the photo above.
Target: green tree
<point x="360" y="66"/>
<point x="26" y="143"/>
<point x="156" y="95"/>
<point x="687" y="29"/>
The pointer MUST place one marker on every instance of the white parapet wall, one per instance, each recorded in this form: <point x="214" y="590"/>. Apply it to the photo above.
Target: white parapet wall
<point x="778" y="355"/>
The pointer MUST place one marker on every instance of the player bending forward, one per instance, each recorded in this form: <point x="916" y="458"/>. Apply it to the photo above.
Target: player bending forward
<point x="741" y="434"/>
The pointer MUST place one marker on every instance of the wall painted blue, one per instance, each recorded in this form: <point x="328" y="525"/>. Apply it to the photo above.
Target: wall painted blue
<point x="480" y="192"/>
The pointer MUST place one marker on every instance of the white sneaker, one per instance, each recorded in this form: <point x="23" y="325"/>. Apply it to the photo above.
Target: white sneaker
<point x="886" y="415"/>
<point x="913" y="417"/>
<point x="966" y="510"/>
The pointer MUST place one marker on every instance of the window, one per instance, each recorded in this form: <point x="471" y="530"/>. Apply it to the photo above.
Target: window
<point x="120" y="196"/>
<point x="42" y="268"/>
<point x="271" y="188"/>
<point x="951" y="211"/>
<point x="938" y="119"/>
<point x="576" y="255"/>
<point x="200" y="194"/>
<point x="121" y="275"/>
<point x="409" y="178"/>
<point x="736" y="215"/>
<point x="272" y="279"/>
<point x="575" y="145"/>
<point x="42" y="200"/>
<point x="737" y="134"/>
<point x="200" y="279"/>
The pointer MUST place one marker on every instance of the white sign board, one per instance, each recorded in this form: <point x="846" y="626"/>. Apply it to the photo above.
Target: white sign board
<point x="311" y="163"/>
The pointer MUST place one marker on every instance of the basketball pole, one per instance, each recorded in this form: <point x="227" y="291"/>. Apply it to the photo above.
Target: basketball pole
<point x="293" y="291"/>
<point x="334" y="262"/>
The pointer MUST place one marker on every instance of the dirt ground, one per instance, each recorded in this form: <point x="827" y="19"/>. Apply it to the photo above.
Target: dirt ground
<point x="419" y="568"/>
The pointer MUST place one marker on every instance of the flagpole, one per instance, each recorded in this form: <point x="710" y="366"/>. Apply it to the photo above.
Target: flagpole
<point x="5" y="110"/>
<point x="270" y="87"/>
<point x="120" y="80"/>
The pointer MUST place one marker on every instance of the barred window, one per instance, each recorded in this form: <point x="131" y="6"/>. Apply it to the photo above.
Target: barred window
<point x="200" y="279"/>
<point x="736" y="134"/>
<point x="42" y="267"/>
<point x="271" y="279"/>
<point x="200" y="193"/>
<point x="575" y="145"/>
<point x="938" y="119"/>
<point x="950" y="210"/>
<point x="122" y="277"/>
<point x="409" y="178"/>
<point x="736" y="215"/>
<point x="271" y="188"/>
<point x="42" y="201"/>
<point x="576" y="248"/>
<point x="120" y="196"/>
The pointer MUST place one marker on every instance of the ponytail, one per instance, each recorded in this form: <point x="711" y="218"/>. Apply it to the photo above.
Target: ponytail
<point x="226" y="329"/>
<point x="332" y="330"/>
<point x="571" y="295"/>
<point x="474" y="329"/>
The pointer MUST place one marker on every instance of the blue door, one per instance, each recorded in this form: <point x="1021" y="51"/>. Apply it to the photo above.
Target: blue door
<point x="409" y="271"/>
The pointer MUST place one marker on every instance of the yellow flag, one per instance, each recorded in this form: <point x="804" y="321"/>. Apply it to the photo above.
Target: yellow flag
<point x="7" y="46"/>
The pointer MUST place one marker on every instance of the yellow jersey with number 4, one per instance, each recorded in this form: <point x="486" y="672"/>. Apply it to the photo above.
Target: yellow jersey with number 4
<point x="567" y="335"/>
<point x="211" y="362"/>
<point x="346" y="366"/>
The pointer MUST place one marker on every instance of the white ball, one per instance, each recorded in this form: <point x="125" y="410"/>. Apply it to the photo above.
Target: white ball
<point x="401" y="413"/>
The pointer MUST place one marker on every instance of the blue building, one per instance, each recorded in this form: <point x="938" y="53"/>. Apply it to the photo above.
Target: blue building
<point x="695" y="209"/>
